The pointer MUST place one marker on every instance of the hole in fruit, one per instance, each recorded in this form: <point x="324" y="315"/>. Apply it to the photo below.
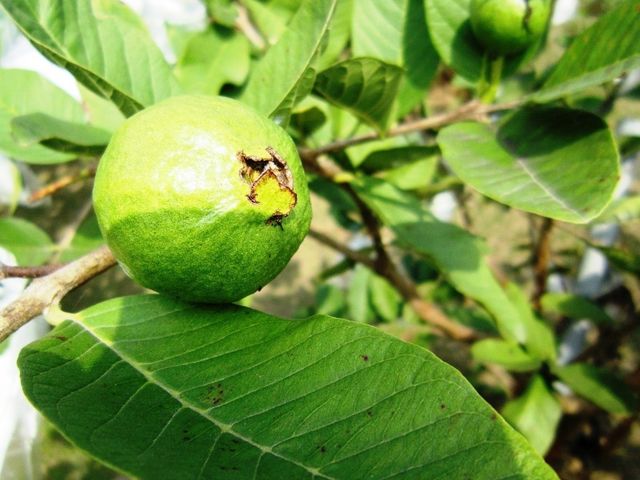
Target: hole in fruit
<point x="270" y="184"/>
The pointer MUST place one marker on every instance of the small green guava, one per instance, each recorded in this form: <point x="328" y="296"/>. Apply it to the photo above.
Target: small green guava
<point x="506" y="27"/>
<point x="202" y="198"/>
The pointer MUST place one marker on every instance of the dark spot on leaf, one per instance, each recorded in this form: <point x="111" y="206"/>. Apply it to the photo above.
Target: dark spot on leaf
<point x="62" y="338"/>
<point x="365" y="357"/>
<point x="186" y="438"/>
<point x="494" y="417"/>
<point x="370" y="413"/>
<point x="323" y="449"/>
<point x="442" y="406"/>
<point x="233" y="440"/>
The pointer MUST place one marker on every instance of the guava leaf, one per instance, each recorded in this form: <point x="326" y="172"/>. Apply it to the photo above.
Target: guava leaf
<point x="575" y="307"/>
<point x="59" y="135"/>
<point x="365" y="86"/>
<point x="283" y="76"/>
<point x="23" y="92"/>
<point x="452" y="37"/>
<point x="554" y="162"/>
<point x="599" y="385"/>
<point x="395" y="32"/>
<point x="508" y="354"/>
<point x="100" y="42"/>
<point x="29" y="244"/>
<point x="161" y="389"/>
<point x="211" y="59"/>
<point x="87" y="238"/>
<point x="536" y="414"/>
<point x="600" y="54"/>
<point x="457" y="253"/>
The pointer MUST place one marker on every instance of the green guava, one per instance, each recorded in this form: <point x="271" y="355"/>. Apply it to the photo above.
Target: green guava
<point x="202" y="198"/>
<point x="506" y="27"/>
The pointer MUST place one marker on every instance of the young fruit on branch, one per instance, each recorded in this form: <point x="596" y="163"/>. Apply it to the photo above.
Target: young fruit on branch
<point x="506" y="27"/>
<point x="202" y="198"/>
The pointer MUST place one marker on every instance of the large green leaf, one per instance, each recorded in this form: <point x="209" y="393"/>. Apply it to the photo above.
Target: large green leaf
<point x="536" y="414"/>
<point x="599" y="385"/>
<point x="395" y="31"/>
<point x="457" y="253"/>
<point x="161" y="389"/>
<point x="555" y="162"/>
<point x="601" y="53"/>
<point x="28" y="243"/>
<point x="23" y="92"/>
<point x="102" y="43"/>
<point x="59" y="135"/>
<point x="450" y="30"/>
<point x="285" y="74"/>
<point x="365" y="86"/>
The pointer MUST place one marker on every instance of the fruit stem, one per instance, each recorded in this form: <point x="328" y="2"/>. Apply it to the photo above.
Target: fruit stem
<point x="491" y="76"/>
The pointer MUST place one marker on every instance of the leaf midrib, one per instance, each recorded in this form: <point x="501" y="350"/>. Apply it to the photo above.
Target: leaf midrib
<point x="224" y="428"/>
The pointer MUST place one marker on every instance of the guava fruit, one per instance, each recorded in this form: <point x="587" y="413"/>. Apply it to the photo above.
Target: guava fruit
<point x="506" y="27"/>
<point x="202" y="198"/>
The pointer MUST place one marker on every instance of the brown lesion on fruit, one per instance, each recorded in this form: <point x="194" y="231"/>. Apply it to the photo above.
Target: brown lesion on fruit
<point x="270" y="184"/>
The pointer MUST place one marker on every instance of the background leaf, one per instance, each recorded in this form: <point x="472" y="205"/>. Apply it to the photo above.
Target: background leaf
<point x="507" y="354"/>
<point x="28" y="243"/>
<point x="395" y="31"/>
<point x="102" y="43"/>
<point x="23" y="92"/>
<point x="536" y="414"/>
<point x="212" y="59"/>
<point x="365" y="86"/>
<point x="87" y="238"/>
<point x="575" y="307"/>
<point x="187" y="391"/>
<point x="285" y="75"/>
<point x="519" y="164"/>
<point x="457" y="253"/>
<point x="600" y="386"/>
<point x="59" y="135"/>
<point x="601" y="53"/>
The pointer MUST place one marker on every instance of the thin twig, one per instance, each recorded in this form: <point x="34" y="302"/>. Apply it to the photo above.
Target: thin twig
<point x="49" y="290"/>
<point x="469" y="111"/>
<point x="62" y="182"/>
<point x="354" y="255"/>
<point x="244" y="25"/>
<point x="9" y="271"/>
<point x="542" y="257"/>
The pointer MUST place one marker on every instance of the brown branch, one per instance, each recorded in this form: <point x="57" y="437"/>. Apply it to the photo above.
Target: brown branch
<point x="542" y="257"/>
<point x="244" y="25"/>
<point x="46" y="291"/>
<point x="62" y="182"/>
<point x="470" y="111"/>
<point x="8" y="271"/>
<point x="354" y="255"/>
<point x="427" y="311"/>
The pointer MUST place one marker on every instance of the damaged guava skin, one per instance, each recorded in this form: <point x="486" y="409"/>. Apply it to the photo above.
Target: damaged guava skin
<point x="202" y="198"/>
<point x="506" y="27"/>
